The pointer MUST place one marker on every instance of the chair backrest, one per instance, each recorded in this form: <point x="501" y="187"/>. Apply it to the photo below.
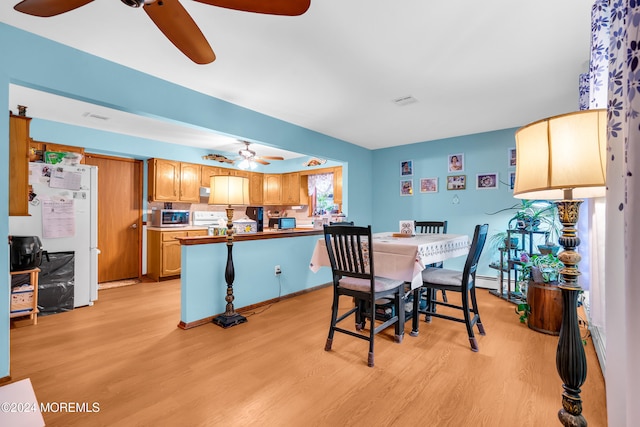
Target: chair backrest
<point x="431" y="227"/>
<point x="342" y="223"/>
<point x="349" y="251"/>
<point x="477" y="244"/>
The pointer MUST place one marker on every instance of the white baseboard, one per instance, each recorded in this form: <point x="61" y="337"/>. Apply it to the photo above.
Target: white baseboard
<point x="486" y="282"/>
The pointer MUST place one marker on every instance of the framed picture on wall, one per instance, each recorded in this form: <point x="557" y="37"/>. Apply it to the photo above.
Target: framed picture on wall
<point x="406" y="187"/>
<point x="486" y="181"/>
<point x="455" y="163"/>
<point x="429" y="185"/>
<point x="512" y="180"/>
<point x="406" y="168"/>
<point x="456" y="182"/>
<point x="512" y="157"/>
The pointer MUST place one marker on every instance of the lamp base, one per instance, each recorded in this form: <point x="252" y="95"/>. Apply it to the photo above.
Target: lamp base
<point x="227" y="321"/>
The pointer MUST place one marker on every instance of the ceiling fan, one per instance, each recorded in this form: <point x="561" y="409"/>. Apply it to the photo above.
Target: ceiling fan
<point x="173" y="19"/>
<point x="248" y="158"/>
<point x="218" y="158"/>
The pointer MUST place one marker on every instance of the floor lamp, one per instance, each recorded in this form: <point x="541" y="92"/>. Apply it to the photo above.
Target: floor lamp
<point x="229" y="190"/>
<point x="561" y="158"/>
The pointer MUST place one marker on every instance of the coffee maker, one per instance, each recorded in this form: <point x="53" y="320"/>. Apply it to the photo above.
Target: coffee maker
<point x="256" y="213"/>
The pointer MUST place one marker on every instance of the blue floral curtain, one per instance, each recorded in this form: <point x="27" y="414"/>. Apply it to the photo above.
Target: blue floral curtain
<point x="623" y="211"/>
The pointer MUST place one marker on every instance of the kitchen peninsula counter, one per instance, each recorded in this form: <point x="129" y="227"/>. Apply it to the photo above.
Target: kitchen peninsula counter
<point x="255" y="256"/>
<point x="262" y="235"/>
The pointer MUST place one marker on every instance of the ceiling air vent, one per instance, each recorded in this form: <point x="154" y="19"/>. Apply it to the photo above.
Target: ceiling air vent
<point x="95" y="116"/>
<point x="404" y="100"/>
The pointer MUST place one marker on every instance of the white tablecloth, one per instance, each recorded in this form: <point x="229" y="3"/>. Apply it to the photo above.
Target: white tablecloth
<point x="403" y="258"/>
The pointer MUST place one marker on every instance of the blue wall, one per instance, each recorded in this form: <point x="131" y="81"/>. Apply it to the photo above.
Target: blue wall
<point x="371" y="178"/>
<point x="483" y="153"/>
<point x="38" y="63"/>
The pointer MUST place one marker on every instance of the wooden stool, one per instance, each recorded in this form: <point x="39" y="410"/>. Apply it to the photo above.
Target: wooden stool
<point x="21" y="310"/>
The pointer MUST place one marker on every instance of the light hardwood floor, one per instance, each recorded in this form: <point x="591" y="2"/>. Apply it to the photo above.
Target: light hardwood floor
<point x="127" y="354"/>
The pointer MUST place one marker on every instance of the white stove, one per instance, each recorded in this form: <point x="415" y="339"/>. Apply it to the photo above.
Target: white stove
<point x="208" y="218"/>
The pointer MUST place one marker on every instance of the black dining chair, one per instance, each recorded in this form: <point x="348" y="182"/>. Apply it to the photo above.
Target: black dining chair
<point x="463" y="282"/>
<point x="341" y="223"/>
<point x="351" y="258"/>
<point x="438" y="227"/>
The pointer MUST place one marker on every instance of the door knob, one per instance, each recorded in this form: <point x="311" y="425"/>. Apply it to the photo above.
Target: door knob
<point x="134" y="225"/>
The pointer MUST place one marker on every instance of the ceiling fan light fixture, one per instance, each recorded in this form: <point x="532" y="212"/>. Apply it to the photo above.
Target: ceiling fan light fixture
<point x="133" y="3"/>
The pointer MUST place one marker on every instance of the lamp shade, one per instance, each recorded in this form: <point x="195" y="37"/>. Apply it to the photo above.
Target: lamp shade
<point x="229" y="190"/>
<point x="565" y="152"/>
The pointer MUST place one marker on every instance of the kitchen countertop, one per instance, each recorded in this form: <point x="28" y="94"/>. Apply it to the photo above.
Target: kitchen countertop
<point x="185" y="228"/>
<point x="267" y="234"/>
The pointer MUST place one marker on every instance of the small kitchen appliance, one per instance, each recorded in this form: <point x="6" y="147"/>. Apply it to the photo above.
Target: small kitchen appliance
<point x="169" y="218"/>
<point x="256" y="213"/>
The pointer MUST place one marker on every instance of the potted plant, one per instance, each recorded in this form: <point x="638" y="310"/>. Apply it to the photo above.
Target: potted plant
<point x="542" y="309"/>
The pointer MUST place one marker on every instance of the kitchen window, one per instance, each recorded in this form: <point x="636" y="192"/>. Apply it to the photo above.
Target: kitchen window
<point x="320" y="188"/>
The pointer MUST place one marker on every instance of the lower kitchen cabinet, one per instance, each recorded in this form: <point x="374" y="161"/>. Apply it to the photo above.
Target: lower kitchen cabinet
<point x="163" y="252"/>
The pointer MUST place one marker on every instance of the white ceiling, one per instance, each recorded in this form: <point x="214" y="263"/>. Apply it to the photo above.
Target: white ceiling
<point x="472" y="66"/>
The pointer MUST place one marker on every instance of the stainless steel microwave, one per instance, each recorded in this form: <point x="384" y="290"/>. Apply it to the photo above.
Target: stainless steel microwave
<point x="169" y="218"/>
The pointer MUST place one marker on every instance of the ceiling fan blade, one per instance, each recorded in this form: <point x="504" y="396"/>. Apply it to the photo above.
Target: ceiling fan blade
<point x="272" y="157"/>
<point x="47" y="8"/>
<point x="179" y="27"/>
<point x="262" y="162"/>
<point x="271" y="7"/>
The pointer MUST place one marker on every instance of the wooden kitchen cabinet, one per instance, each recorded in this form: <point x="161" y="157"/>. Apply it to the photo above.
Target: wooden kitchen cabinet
<point x="256" y="186"/>
<point x="19" y="165"/>
<point x="337" y="185"/>
<point x="291" y="188"/>
<point x="164" y="252"/>
<point x="171" y="181"/>
<point x="206" y="172"/>
<point x="272" y="185"/>
<point x="189" y="182"/>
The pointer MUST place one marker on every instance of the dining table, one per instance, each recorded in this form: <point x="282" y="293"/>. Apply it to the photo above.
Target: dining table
<point x="403" y="258"/>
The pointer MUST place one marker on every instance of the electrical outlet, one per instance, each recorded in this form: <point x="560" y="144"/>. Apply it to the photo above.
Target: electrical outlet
<point x="278" y="270"/>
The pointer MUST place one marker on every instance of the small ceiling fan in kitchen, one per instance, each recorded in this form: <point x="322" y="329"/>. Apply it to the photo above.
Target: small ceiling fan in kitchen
<point x="173" y="19"/>
<point x="248" y="158"/>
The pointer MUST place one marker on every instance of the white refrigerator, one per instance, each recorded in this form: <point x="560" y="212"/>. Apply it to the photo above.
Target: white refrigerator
<point x="63" y="212"/>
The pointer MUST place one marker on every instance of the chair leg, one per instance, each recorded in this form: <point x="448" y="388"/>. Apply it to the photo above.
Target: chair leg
<point x="474" y="304"/>
<point x="416" y="312"/>
<point x="467" y="321"/>
<point x="430" y="305"/>
<point x="399" y="327"/>
<point x="444" y="296"/>
<point x="361" y="319"/>
<point x="334" y="317"/>
<point x="372" y="328"/>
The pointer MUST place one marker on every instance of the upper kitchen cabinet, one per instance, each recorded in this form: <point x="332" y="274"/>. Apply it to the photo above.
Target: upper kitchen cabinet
<point x="171" y="181"/>
<point x="337" y="185"/>
<point x="272" y="184"/>
<point x="291" y="188"/>
<point x="206" y="173"/>
<point x="19" y="165"/>
<point x="256" y="188"/>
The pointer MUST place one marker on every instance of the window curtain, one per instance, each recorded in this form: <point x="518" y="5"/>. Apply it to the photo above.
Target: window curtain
<point x="593" y="95"/>
<point x="323" y="182"/>
<point x="622" y="256"/>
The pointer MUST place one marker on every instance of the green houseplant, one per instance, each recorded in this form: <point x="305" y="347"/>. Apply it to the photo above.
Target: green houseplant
<point x="536" y="269"/>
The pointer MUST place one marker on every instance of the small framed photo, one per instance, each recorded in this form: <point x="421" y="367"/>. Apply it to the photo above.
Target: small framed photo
<point x="429" y="185"/>
<point x="486" y="181"/>
<point x="406" y="168"/>
<point x="406" y="187"/>
<point x="512" y="157"/>
<point x="456" y="182"/>
<point x="455" y="163"/>
<point x="407" y="227"/>
<point x="512" y="180"/>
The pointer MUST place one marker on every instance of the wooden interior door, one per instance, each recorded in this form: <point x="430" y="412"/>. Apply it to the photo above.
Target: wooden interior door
<point x="119" y="217"/>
